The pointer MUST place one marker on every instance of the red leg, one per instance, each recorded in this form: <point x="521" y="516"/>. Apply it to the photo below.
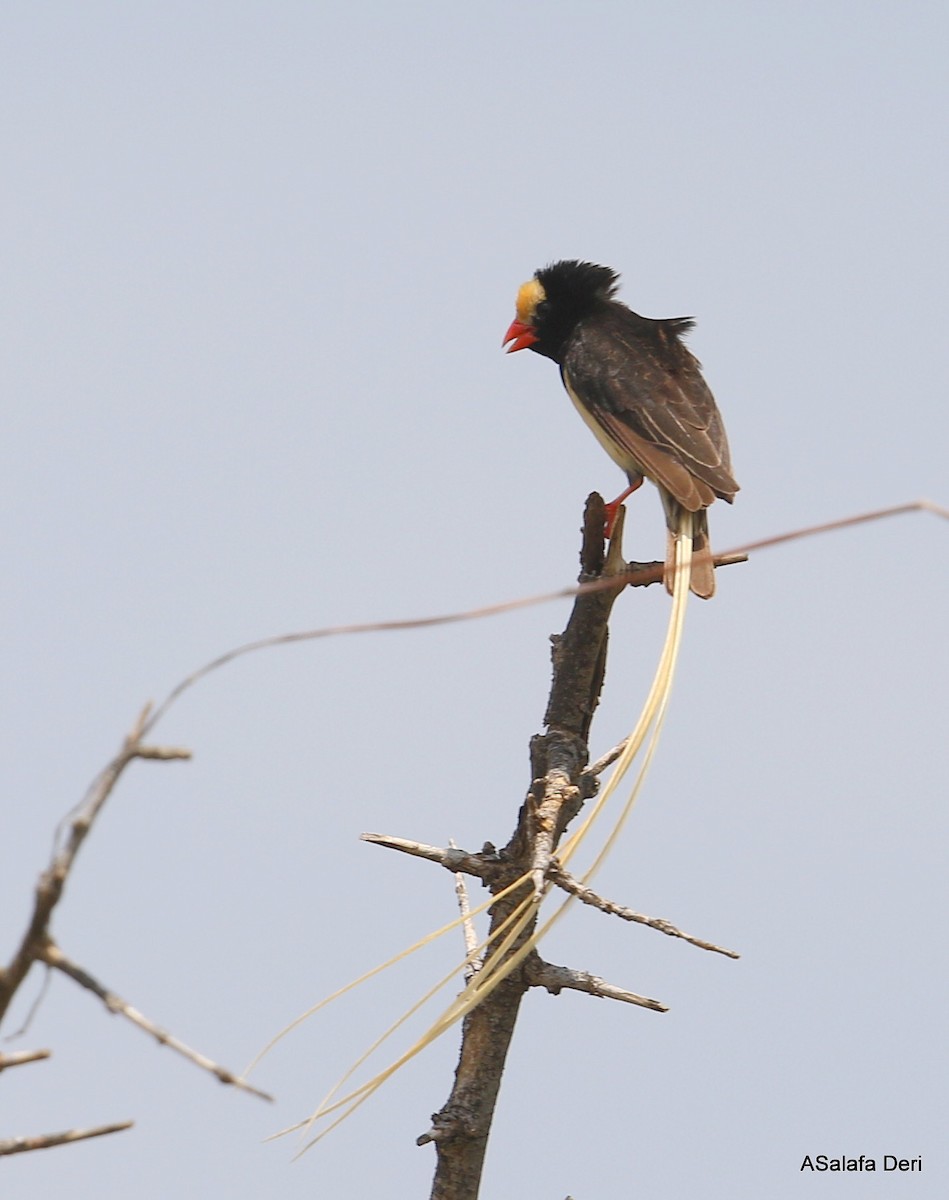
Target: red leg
<point x="613" y="507"/>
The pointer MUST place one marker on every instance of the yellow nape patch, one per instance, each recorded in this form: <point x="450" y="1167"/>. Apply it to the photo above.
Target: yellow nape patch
<point x="529" y="295"/>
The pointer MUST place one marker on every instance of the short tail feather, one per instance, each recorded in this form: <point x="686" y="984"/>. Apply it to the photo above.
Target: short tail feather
<point x="680" y="522"/>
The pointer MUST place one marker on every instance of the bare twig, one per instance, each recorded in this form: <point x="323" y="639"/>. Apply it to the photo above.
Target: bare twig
<point x="472" y="961"/>
<point x="54" y="957"/>
<point x="644" y="574"/>
<point x="163" y="753"/>
<point x="606" y="760"/>
<point x="45" y="1141"/>
<point x="557" y="979"/>
<point x="566" y="881"/>
<point x="483" y="866"/>
<point x="328" y="631"/>
<point x="21" y="1057"/>
<point x="49" y="888"/>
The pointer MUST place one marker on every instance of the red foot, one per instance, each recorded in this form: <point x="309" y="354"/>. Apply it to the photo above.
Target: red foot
<point x="614" y="506"/>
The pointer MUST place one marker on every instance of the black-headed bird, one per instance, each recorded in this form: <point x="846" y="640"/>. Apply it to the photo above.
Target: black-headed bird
<point x="640" y="391"/>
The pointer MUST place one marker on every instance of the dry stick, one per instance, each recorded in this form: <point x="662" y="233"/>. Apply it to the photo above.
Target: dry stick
<point x="472" y="962"/>
<point x="557" y="979"/>
<point x="460" y="1128"/>
<point x="484" y="868"/>
<point x="586" y="896"/>
<point x="49" y="888"/>
<point x="44" y="1141"/>
<point x="21" y="1057"/>
<point x="579" y="653"/>
<point x="37" y="944"/>
<point x="453" y="859"/>
<point x="595" y="769"/>
<point x="54" y="957"/>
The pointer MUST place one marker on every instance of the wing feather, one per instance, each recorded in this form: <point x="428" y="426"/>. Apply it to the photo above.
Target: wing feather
<point x="645" y="392"/>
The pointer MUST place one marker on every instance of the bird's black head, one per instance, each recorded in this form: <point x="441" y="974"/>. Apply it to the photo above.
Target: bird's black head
<point x="550" y="305"/>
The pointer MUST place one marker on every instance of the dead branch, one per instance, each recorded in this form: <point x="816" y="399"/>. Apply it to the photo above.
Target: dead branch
<point x="559" y="756"/>
<point x="45" y="1141"/>
<point x="584" y="894"/>
<point x="54" y="957"/>
<point x="21" y="1057"/>
<point x="484" y="866"/>
<point x="37" y="944"/>
<point x="472" y="961"/>
<point x="52" y="881"/>
<point x="557" y="979"/>
<point x="579" y="657"/>
<point x="561" y="781"/>
<point x="591" y="773"/>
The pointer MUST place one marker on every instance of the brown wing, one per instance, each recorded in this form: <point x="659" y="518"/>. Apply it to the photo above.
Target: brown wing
<point x="645" y="393"/>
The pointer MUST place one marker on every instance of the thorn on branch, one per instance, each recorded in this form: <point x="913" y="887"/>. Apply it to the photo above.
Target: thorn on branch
<point x="556" y="979"/>
<point x="484" y="866"/>
<point x="557" y="875"/>
<point x="643" y="574"/>
<point x="590" y="773"/>
<point x="21" y="1057"/>
<point x="472" y="961"/>
<point x="164" y="753"/>
<point x="45" y="1141"/>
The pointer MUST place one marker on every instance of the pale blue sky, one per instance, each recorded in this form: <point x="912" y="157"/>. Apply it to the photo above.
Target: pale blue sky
<point x="257" y="262"/>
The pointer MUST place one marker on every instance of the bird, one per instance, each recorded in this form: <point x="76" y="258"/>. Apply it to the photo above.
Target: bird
<point x="640" y="390"/>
